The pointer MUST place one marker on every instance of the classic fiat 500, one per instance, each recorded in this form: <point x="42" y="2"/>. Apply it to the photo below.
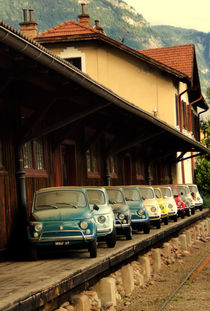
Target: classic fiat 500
<point x="103" y="214"/>
<point x="187" y="198"/>
<point x="170" y="202"/>
<point x="162" y="205"/>
<point x="197" y="198"/>
<point x="139" y="215"/>
<point x="62" y="218"/>
<point x="179" y="202"/>
<point x="151" y="205"/>
<point x="121" y="211"/>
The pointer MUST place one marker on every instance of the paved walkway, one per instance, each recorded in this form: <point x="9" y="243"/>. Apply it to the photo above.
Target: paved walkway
<point x="27" y="285"/>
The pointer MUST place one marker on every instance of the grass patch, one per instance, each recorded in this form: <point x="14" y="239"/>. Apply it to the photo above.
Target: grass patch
<point x="187" y="282"/>
<point x="206" y="201"/>
<point x="177" y="297"/>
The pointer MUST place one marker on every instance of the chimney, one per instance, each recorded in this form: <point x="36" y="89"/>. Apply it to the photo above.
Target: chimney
<point x="98" y="27"/>
<point x="84" y="18"/>
<point x="29" y="28"/>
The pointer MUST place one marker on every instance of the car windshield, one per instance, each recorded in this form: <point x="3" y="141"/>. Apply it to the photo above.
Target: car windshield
<point x="174" y="191"/>
<point x="95" y="196"/>
<point x="60" y="198"/>
<point x="157" y="193"/>
<point x="166" y="192"/>
<point x="193" y="188"/>
<point x="146" y="193"/>
<point x="182" y="190"/>
<point x="132" y="195"/>
<point x="187" y="190"/>
<point x="115" y="196"/>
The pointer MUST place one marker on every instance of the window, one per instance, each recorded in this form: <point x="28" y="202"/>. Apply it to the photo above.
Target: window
<point x="92" y="163"/>
<point x="177" y="110"/>
<point x="76" y="61"/>
<point x="112" y="166"/>
<point x="33" y="158"/>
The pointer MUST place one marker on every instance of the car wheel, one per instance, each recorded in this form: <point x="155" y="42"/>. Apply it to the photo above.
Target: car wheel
<point x="146" y="228"/>
<point x="188" y="212"/>
<point x="111" y="239"/>
<point x="158" y="224"/>
<point x="201" y="208"/>
<point x="165" y="220"/>
<point x="128" y="233"/>
<point x="93" y="249"/>
<point x="182" y="215"/>
<point x="193" y="211"/>
<point x="33" y="252"/>
<point x="175" y="218"/>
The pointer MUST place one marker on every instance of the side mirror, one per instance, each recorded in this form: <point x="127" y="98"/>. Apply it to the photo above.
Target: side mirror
<point x="95" y="207"/>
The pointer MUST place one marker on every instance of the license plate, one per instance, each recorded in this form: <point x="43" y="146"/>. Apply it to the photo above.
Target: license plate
<point x="61" y="243"/>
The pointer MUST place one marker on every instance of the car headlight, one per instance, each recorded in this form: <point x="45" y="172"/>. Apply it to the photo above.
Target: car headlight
<point x="38" y="227"/>
<point x="153" y="209"/>
<point x="198" y="198"/>
<point x="101" y="219"/>
<point x="170" y="206"/>
<point x="140" y="212"/>
<point x="179" y="203"/>
<point x="83" y="225"/>
<point x="121" y="216"/>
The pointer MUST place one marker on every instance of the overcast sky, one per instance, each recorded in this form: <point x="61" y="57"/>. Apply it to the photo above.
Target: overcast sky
<point x="193" y="14"/>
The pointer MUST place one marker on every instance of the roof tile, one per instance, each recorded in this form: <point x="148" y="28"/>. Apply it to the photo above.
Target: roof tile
<point x="180" y="58"/>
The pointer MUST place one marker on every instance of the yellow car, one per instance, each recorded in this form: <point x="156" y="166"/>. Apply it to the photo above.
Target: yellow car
<point x="162" y="205"/>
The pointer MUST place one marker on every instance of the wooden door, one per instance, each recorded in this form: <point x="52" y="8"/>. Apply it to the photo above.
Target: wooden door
<point x="68" y="165"/>
<point x="127" y="170"/>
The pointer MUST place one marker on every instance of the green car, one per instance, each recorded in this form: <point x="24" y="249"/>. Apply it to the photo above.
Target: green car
<point x="139" y="216"/>
<point x="62" y="218"/>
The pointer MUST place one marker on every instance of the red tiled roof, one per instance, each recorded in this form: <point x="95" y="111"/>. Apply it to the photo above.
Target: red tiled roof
<point x="66" y="29"/>
<point x="180" y="58"/>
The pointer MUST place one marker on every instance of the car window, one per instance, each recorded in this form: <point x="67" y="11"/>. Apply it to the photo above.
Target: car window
<point x="157" y="193"/>
<point x="131" y="195"/>
<point x="174" y="191"/>
<point x="60" y="198"/>
<point x="95" y="196"/>
<point x="166" y="192"/>
<point x="146" y="193"/>
<point x="115" y="196"/>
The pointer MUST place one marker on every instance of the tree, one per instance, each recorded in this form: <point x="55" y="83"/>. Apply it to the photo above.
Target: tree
<point x="202" y="167"/>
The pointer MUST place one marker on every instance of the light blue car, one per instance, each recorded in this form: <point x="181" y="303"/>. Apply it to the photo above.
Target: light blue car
<point x="139" y="215"/>
<point x="62" y="218"/>
<point x="103" y="214"/>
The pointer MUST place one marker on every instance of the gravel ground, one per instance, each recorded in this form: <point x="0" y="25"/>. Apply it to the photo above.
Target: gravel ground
<point x="193" y="296"/>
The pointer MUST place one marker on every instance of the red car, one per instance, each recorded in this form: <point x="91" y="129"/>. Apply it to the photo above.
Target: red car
<point x="179" y="202"/>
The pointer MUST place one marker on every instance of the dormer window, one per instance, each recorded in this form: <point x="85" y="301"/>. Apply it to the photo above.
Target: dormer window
<point x="75" y="61"/>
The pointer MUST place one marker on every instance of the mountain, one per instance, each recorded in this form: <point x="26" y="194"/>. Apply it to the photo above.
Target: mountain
<point x="119" y="21"/>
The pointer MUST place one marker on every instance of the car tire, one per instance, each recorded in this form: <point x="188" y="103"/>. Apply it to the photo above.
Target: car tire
<point x="111" y="239"/>
<point x="128" y="233"/>
<point x="165" y="220"/>
<point x="201" y="208"/>
<point x="33" y="253"/>
<point x="175" y="218"/>
<point x="158" y="224"/>
<point x="93" y="249"/>
<point x="182" y="215"/>
<point x="146" y="228"/>
<point x="188" y="212"/>
<point x="193" y="211"/>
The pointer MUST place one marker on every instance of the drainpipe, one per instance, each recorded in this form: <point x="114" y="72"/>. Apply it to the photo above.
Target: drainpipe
<point x="181" y="129"/>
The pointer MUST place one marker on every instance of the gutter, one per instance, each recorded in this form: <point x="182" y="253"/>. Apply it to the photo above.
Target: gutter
<point x="29" y="47"/>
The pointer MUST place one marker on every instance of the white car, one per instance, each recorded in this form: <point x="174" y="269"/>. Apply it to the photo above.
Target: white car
<point x="151" y="204"/>
<point x="103" y="214"/>
<point x="170" y="202"/>
<point x="197" y="198"/>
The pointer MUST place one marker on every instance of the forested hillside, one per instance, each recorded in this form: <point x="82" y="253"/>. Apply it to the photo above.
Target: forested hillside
<point x="119" y="21"/>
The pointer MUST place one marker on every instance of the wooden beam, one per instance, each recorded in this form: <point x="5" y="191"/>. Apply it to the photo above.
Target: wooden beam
<point x="136" y="141"/>
<point x="193" y="156"/>
<point x="64" y="122"/>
